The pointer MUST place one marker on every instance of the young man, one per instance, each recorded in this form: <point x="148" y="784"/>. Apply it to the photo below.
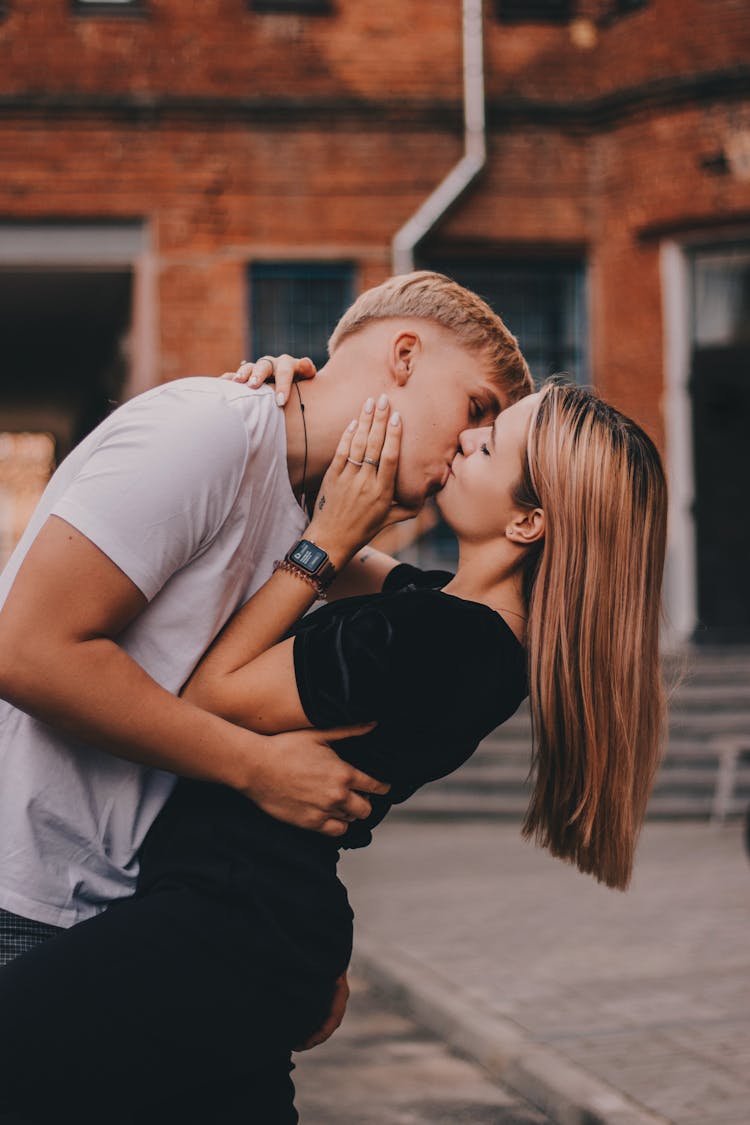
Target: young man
<point x="156" y="528"/>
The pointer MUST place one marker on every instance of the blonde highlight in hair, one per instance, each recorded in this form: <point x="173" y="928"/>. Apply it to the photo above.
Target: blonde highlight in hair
<point x="597" y="699"/>
<point x="426" y="295"/>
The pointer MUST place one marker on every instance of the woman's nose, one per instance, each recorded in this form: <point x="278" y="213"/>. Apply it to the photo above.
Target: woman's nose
<point x="471" y="439"/>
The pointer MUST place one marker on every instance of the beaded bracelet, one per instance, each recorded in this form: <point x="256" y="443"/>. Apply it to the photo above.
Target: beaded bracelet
<point x="298" y="572"/>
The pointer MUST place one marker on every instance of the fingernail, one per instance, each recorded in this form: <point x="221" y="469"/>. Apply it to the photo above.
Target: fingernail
<point x="382" y="402"/>
<point x="369" y="406"/>
<point x="253" y="380"/>
<point x="352" y="426"/>
<point x="395" y="418"/>
<point x="280" y="399"/>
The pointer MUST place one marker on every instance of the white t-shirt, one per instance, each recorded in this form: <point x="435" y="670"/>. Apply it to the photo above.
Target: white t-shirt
<point x="186" y="489"/>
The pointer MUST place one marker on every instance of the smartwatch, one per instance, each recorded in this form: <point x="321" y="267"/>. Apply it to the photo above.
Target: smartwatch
<point x="313" y="563"/>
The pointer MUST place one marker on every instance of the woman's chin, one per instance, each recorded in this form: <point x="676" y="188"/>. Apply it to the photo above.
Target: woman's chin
<point x="443" y="503"/>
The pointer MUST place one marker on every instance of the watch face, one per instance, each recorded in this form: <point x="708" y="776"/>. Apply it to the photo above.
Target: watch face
<point x="308" y="556"/>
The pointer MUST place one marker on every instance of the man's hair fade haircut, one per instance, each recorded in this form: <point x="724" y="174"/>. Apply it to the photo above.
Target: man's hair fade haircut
<point x="426" y="295"/>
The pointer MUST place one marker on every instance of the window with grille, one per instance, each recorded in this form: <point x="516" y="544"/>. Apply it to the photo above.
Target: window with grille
<point x="622" y="7"/>
<point x="534" y="11"/>
<point x="542" y="302"/>
<point x="302" y="7"/>
<point x="109" y="7"/>
<point x="294" y="306"/>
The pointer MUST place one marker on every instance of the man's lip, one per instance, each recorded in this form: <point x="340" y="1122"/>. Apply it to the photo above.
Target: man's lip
<point x="439" y="485"/>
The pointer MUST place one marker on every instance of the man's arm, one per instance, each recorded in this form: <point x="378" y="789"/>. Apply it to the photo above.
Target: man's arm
<point x="60" y="662"/>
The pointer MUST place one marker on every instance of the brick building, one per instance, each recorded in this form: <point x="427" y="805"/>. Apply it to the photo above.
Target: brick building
<point x="183" y="184"/>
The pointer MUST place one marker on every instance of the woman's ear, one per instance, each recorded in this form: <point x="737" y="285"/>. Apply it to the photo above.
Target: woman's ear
<point x="405" y="348"/>
<point x="527" y="528"/>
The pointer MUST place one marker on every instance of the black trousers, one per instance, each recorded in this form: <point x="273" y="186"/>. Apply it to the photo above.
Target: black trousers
<point x="165" y="1008"/>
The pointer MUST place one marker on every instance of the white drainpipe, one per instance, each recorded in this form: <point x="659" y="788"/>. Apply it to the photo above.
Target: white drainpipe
<point x="475" y="148"/>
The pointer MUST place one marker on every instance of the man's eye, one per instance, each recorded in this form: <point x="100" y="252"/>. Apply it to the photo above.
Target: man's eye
<point x="485" y="448"/>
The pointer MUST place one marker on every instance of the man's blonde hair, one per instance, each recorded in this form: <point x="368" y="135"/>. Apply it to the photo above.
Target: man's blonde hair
<point x="435" y="297"/>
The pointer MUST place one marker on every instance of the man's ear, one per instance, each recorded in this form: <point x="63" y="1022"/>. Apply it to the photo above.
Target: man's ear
<point x="404" y="351"/>
<point x="526" y="528"/>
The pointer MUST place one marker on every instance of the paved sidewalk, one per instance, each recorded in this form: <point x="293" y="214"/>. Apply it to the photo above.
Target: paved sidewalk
<point x="598" y="1006"/>
<point x="380" y="1069"/>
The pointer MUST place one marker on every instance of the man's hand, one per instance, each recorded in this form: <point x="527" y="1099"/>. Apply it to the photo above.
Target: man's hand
<point x="283" y="369"/>
<point x="335" y="1016"/>
<point x="302" y="781"/>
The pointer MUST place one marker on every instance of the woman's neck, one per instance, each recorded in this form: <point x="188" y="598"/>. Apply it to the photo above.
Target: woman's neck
<point x="479" y="578"/>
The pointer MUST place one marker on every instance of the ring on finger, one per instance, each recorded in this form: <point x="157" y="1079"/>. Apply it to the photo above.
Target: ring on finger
<point x="370" y="461"/>
<point x="266" y="359"/>
<point x="359" y="464"/>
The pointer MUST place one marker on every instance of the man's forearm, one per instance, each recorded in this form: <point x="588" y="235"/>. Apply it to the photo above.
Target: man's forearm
<point x="94" y="692"/>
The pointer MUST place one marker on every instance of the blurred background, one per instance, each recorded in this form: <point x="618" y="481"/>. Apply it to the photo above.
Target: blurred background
<point x="186" y="184"/>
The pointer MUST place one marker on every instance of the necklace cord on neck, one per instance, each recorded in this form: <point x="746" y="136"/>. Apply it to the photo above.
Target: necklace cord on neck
<point x="515" y="612"/>
<point x="304" y="463"/>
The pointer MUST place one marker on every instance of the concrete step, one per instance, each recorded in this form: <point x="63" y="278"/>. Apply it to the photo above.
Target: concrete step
<point x="701" y="724"/>
<point x="699" y="697"/>
<point x="480" y="777"/>
<point x="505" y="806"/>
<point x="709" y="702"/>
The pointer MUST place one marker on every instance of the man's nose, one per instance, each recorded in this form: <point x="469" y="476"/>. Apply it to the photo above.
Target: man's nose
<point x="471" y="439"/>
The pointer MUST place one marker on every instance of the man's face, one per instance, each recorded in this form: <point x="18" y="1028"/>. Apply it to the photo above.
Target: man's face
<point x="447" y="392"/>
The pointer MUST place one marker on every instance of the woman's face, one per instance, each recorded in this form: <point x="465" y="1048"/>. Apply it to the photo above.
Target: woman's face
<point x="477" y="500"/>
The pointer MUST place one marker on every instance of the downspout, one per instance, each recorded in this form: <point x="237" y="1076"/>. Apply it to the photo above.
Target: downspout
<point x="475" y="149"/>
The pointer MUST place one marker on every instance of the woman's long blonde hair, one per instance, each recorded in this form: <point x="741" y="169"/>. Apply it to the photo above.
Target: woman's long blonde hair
<point x="593" y="593"/>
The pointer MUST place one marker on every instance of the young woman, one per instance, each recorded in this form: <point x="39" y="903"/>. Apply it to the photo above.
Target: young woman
<point x="183" y="1003"/>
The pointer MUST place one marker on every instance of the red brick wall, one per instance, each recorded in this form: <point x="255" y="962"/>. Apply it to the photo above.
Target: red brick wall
<point x="399" y="48"/>
<point x="379" y="85"/>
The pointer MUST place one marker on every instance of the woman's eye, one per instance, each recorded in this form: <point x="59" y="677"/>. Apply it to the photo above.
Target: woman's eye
<point x="485" y="448"/>
<point x="476" y="410"/>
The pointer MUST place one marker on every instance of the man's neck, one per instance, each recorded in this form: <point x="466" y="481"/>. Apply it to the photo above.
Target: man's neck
<point x="313" y="436"/>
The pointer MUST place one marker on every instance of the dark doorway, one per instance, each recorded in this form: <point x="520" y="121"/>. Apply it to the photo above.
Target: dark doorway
<point x="61" y="339"/>
<point x="720" y="386"/>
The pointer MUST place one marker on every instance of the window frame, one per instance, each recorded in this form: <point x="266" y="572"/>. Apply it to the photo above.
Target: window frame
<point x="291" y="7"/>
<point x="118" y="8"/>
<point x="535" y="11"/>
<point x="535" y="266"/>
<point x="627" y="7"/>
<point x="295" y="269"/>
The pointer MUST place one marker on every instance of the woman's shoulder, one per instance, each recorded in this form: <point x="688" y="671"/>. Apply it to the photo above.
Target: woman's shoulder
<point x="410" y="622"/>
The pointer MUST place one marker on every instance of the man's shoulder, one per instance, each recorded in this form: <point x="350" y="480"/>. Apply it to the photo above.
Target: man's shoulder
<point x="205" y="391"/>
<point x="203" y="408"/>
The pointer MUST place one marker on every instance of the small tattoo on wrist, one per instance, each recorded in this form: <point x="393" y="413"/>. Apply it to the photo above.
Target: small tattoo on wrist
<point x="321" y="503"/>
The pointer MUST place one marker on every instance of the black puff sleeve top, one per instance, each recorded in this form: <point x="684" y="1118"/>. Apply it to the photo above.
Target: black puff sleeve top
<point x="436" y="672"/>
